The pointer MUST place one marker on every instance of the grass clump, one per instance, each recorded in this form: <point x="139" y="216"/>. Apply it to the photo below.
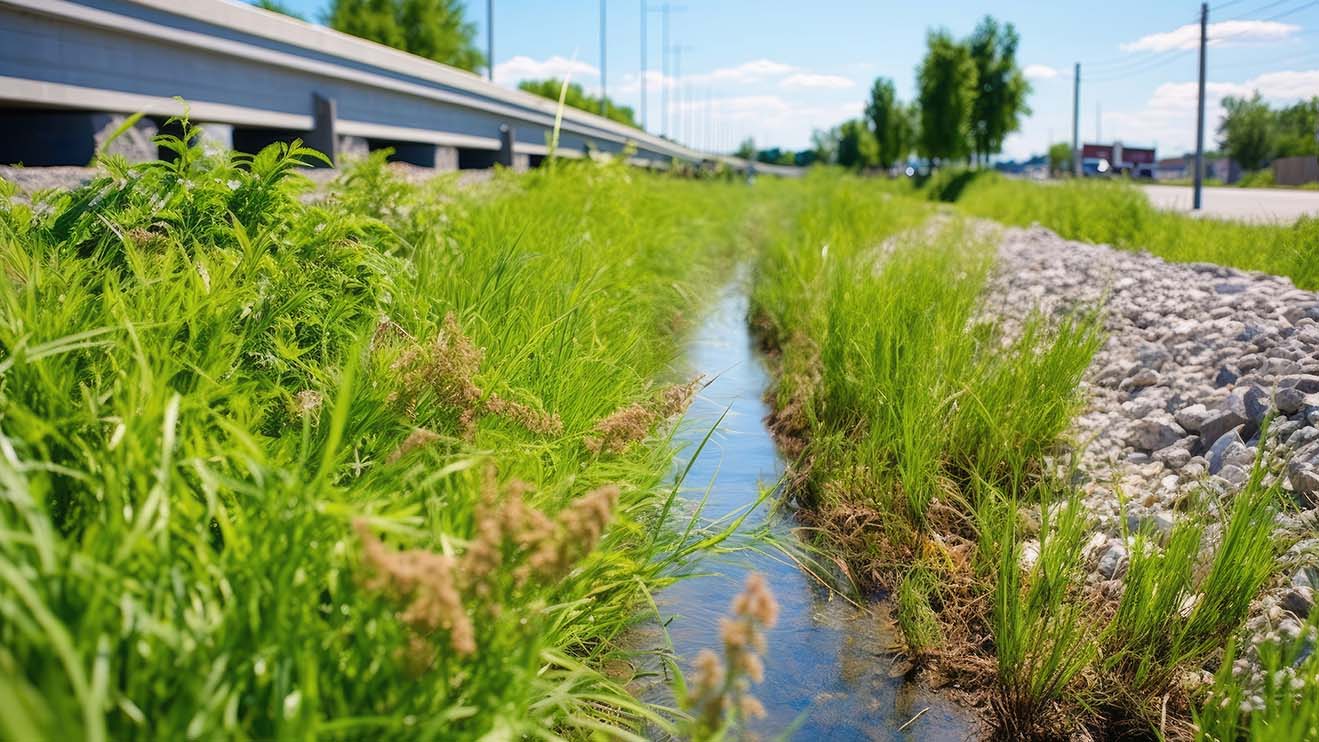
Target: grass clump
<point x="1119" y="214"/>
<point x="902" y="393"/>
<point x="278" y="466"/>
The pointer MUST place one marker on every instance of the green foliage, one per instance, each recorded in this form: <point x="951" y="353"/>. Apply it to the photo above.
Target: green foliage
<point x="1001" y="88"/>
<point x="891" y="123"/>
<point x="946" y="84"/>
<point x="1043" y="631"/>
<point x="746" y="149"/>
<point x="1170" y="618"/>
<point x="576" y="97"/>
<point x="1284" y="705"/>
<point x="1060" y="158"/>
<point x="275" y="6"/>
<point x="434" y="29"/>
<point x="1298" y="129"/>
<point x="1119" y="214"/>
<point x="1247" y="132"/>
<point x="207" y="379"/>
<point x="856" y="145"/>
<point x="903" y="393"/>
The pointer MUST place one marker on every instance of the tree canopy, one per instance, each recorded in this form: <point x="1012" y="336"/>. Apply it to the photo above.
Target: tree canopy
<point x="891" y="123"/>
<point x="275" y="6"/>
<point x="856" y="145"/>
<point x="1247" y="132"/>
<point x="434" y="29"/>
<point x="1001" y="88"/>
<point x="946" y="81"/>
<point x="576" y="97"/>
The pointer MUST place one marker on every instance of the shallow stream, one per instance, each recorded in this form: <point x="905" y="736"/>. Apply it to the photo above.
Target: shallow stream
<point x="830" y="665"/>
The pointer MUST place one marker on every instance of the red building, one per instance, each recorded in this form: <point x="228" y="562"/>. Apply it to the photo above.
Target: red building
<point x="1120" y="159"/>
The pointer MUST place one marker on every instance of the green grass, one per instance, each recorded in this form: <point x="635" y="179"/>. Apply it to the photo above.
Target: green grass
<point x="206" y="380"/>
<point x="911" y="405"/>
<point x="1120" y="215"/>
<point x="904" y="395"/>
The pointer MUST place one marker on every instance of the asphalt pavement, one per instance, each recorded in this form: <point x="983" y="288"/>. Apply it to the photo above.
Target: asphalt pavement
<point x="1275" y="205"/>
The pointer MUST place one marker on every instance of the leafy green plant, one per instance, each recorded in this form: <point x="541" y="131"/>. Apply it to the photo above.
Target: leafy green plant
<point x="208" y="379"/>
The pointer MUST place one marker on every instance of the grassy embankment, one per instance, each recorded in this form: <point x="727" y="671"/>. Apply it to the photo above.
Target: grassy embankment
<point x="1118" y="214"/>
<point x="384" y="465"/>
<point x="922" y="435"/>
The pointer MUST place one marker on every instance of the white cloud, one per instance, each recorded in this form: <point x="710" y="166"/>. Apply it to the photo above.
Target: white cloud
<point x="525" y="68"/>
<point x="1039" y="72"/>
<point x="813" y="80"/>
<point x="1168" y="118"/>
<point x="756" y="70"/>
<point x="1227" y="32"/>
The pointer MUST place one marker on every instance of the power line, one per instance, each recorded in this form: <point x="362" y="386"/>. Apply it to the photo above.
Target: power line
<point x="1174" y="54"/>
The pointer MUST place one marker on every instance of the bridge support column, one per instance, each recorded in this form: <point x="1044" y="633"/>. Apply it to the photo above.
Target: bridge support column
<point x="321" y="137"/>
<point x="507" y="135"/>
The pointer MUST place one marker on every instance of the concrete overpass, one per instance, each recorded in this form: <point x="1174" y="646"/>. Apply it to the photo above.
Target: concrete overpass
<point x="71" y="70"/>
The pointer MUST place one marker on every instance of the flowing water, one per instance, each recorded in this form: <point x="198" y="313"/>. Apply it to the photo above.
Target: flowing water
<point x="830" y="663"/>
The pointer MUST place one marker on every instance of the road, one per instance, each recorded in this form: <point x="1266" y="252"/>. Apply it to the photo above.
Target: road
<point x="1245" y="204"/>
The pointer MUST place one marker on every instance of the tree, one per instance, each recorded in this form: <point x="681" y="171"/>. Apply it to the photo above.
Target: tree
<point x="1248" y="132"/>
<point x="1060" y="158"/>
<point x="746" y="150"/>
<point x="275" y="6"/>
<point x="890" y="122"/>
<point x="576" y="97"/>
<point x="1298" y="129"/>
<point x="434" y="29"/>
<point x="856" y="145"/>
<point x="1000" y="87"/>
<point x="824" y="142"/>
<point x="946" y="80"/>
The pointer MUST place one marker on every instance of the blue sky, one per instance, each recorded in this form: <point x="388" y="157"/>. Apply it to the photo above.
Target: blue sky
<point x="776" y="70"/>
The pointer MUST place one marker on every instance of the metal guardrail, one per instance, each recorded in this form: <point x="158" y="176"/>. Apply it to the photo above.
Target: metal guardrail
<point x="256" y="71"/>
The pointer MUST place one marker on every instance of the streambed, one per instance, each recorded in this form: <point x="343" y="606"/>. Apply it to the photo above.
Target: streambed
<point x="830" y="665"/>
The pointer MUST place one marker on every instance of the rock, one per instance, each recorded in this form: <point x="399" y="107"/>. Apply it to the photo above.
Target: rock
<point x="1220" y="422"/>
<point x="1298" y="600"/>
<point x="1301" y="437"/>
<point x="1306" y="577"/>
<point x="1156" y="432"/>
<point x="1305" y="383"/>
<point x="1304" y="479"/>
<point x="1238" y="454"/>
<point x="1289" y="400"/>
<point x="1234" y="474"/>
<point x="1192" y="417"/>
<point x="1159" y="522"/>
<point x="1153" y="357"/>
<point x="1112" y="561"/>
<point x="1255" y="400"/>
<point x="1225" y="377"/>
<point x="1220" y="446"/>
<point x="1143" y="378"/>
<point x="1175" y="456"/>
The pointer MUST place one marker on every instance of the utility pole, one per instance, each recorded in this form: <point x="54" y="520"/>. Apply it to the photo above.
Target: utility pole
<point x="490" y="39"/>
<point x="664" y="73"/>
<point x="677" y="91"/>
<point x="604" y="62"/>
<point x="1200" y="111"/>
<point x="645" y="11"/>
<point x="1076" y="122"/>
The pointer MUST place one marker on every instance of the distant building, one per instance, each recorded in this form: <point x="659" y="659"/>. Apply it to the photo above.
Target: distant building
<point x="1121" y="159"/>
<point x="1221" y="169"/>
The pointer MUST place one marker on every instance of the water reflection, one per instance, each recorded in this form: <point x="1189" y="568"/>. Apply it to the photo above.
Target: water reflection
<point x="829" y="661"/>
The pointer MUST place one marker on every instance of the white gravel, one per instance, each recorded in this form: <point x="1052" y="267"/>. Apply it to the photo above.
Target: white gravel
<point x="1196" y="356"/>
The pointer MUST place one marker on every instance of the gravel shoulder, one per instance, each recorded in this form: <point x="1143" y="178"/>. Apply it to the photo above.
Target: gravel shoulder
<point x="1196" y="357"/>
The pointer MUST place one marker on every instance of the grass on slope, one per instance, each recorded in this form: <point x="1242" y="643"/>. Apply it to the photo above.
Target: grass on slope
<point x="352" y="468"/>
<point x="922" y="429"/>
<point x="1120" y="215"/>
